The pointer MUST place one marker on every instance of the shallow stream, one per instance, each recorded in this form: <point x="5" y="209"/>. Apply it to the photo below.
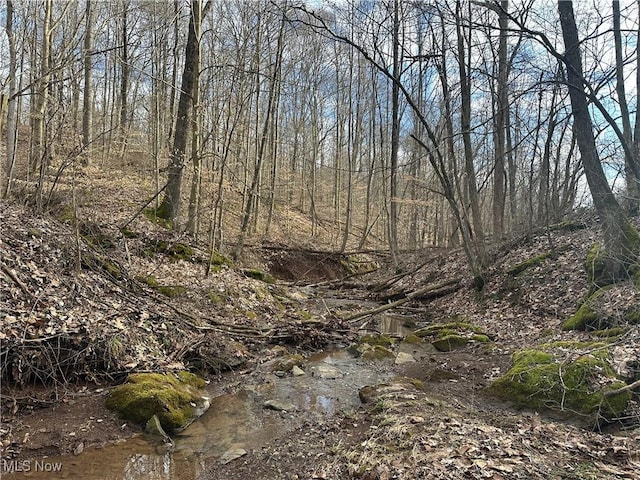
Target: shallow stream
<point x="235" y="423"/>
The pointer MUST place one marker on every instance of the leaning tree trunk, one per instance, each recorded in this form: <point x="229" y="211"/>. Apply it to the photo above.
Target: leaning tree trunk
<point x="618" y="257"/>
<point x="170" y="206"/>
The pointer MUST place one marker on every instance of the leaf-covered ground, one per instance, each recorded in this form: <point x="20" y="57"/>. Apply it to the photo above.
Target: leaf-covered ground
<point x="83" y="303"/>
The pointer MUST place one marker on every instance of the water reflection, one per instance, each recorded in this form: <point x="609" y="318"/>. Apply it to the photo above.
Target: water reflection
<point x="233" y="422"/>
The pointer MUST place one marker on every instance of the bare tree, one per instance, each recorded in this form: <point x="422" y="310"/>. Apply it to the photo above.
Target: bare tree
<point x="170" y="206"/>
<point x="12" y="106"/>
<point x="621" y="241"/>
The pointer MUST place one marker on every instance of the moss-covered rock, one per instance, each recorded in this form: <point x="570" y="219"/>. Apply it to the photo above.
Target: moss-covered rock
<point x="446" y="337"/>
<point x="158" y="216"/>
<point x="174" y="250"/>
<point x="374" y="352"/>
<point x="564" y="376"/>
<point x="98" y="262"/>
<point x="373" y="347"/>
<point x="610" y="307"/>
<point x="217" y="260"/>
<point x="285" y="363"/>
<point x="259" y="275"/>
<point x="173" y="398"/>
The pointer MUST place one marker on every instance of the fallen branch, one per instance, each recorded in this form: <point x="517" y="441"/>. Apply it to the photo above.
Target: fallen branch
<point x="12" y="276"/>
<point x="620" y="390"/>
<point x="430" y="291"/>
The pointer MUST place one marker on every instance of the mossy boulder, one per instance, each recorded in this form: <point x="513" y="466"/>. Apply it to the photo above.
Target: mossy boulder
<point x="610" y="307"/>
<point x="446" y="337"/>
<point x="217" y="260"/>
<point x="373" y="347"/>
<point x="570" y="377"/>
<point x="172" y="397"/>
<point x="259" y="275"/>
<point x="285" y="363"/>
<point x="159" y="216"/>
<point x="174" y="250"/>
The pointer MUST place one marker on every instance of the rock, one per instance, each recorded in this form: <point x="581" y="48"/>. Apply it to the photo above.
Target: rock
<point x="403" y="357"/>
<point x="154" y="429"/>
<point x="279" y="406"/>
<point x="231" y="455"/>
<point x="569" y="377"/>
<point x="297" y="371"/>
<point x="285" y="363"/>
<point x="326" y="372"/>
<point x="173" y="397"/>
<point x="401" y="386"/>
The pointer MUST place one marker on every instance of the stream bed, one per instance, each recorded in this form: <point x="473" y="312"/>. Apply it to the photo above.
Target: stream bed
<point x="263" y="408"/>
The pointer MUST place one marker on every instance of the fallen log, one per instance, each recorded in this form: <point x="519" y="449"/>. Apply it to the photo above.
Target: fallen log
<point x="426" y="293"/>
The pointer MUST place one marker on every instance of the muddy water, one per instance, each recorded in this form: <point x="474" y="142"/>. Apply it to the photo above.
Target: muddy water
<point x="234" y="423"/>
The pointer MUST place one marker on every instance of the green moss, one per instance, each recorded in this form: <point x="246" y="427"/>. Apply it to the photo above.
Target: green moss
<point x="148" y="280"/>
<point x="66" y="214"/>
<point x="610" y="332"/>
<point x="412" y="339"/>
<point x="452" y="335"/>
<point x="286" y="362"/>
<point x="376" y="339"/>
<point x="539" y="379"/>
<point x="632" y="317"/>
<point x="596" y="267"/>
<point x="166" y="290"/>
<point x="259" y="275"/>
<point x="215" y="297"/>
<point x="94" y="262"/>
<point x="128" y="233"/>
<point x="375" y="352"/>
<point x="449" y="343"/>
<point x="531" y="262"/>
<point x="587" y="318"/>
<point x="447" y="328"/>
<point x="158" y="216"/>
<point x="170" y="397"/>
<point x="171" y="290"/>
<point x="174" y="250"/>
<point x="218" y="259"/>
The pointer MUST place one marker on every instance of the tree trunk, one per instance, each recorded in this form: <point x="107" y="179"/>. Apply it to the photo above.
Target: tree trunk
<point x="633" y="192"/>
<point x="12" y="103"/>
<point x="621" y="241"/>
<point x="395" y="136"/>
<point x="196" y="182"/>
<point x="170" y="206"/>
<point x="502" y="111"/>
<point x="465" y="126"/>
<point x="87" y="100"/>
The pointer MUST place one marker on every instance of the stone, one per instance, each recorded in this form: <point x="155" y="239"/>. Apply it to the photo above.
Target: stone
<point x="326" y="372"/>
<point x="403" y="357"/>
<point x="278" y="406"/>
<point x="297" y="371"/>
<point x="154" y="429"/>
<point x="232" y="454"/>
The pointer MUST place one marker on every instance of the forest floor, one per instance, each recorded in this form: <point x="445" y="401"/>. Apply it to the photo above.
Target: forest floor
<point x="85" y="302"/>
